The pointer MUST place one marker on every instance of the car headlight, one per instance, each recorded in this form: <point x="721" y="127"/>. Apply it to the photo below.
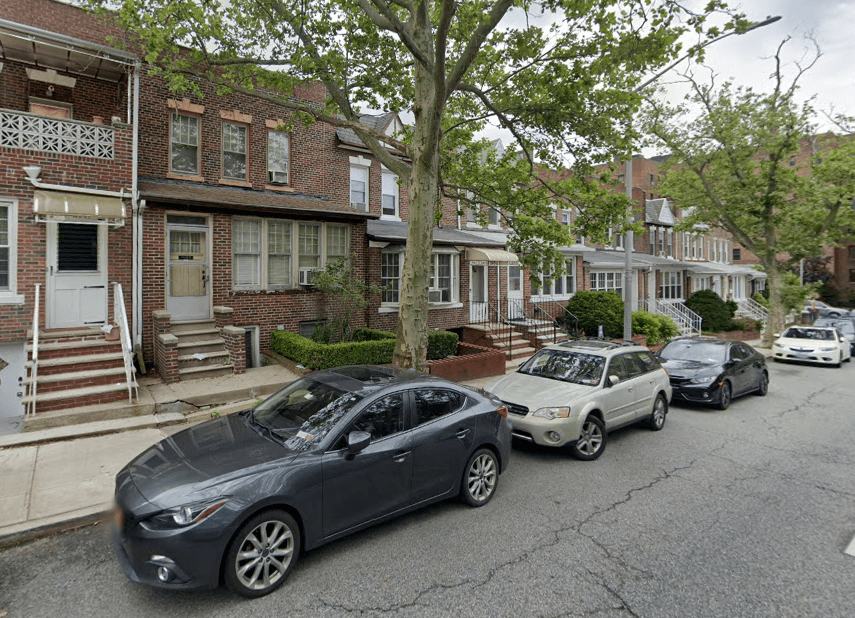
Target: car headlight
<point x="703" y="380"/>
<point x="827" y="349"/>
<point x="186" y="515"/>
<point x="551" y="413"/>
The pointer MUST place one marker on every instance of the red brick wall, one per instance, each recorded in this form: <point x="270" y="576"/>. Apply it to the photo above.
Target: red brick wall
<point x="472" y="362"/>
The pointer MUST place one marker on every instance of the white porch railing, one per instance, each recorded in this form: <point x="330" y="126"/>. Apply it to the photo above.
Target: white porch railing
<point x="32" y="132"/>
<point x="687" y="320"/>
<point x="752" y="309"/>
<point x="121" y="319"/>
<point x="34" y="371"/>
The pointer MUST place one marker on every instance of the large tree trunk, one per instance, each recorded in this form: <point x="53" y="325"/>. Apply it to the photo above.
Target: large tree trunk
<point x="776" y="307"/>
<point x="412" y="332"/>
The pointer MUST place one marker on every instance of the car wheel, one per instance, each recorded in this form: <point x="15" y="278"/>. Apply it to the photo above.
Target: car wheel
<point x="763" y="385"/>
<point x="592" y="442"/>
<point x="839" y="363"/>
<point x="480" y="478"/>
<point x="723" y="396"/>
<point x="657" y="417"/>
<point x="262" y="554"/>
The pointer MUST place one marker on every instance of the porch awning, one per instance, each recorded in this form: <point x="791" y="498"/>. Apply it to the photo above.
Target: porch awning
<point x="78" y="207"/>
<point x="483" y="254"/>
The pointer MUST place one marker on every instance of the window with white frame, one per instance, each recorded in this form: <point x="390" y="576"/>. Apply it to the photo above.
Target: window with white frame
<point x="607" y="281"/>
<point x="359" y="187"/>
<point x="443" y="283"/>
<point x="562" y="285"/>
<point x="471" y="215"/>
<point x="701" y="283"/>
<point x="8" y="229"/>
<point x="389" y="182"/>
<point x="686" y="252"/>
<point x="660" y="242"/>
<point x="565" y="217"/>
<point x="672" y="285"/>
<point x="702" y="241"/>
<point x="493" y="215"/>
<point x="670" y="244"/>
<point x="390" y="277"/>
<point x="278" y="157"/>
<point x="263" y="254"/>
<point x="651" y="232"/>
<point x="234" y="151"/>
<point x="184" y="144"/>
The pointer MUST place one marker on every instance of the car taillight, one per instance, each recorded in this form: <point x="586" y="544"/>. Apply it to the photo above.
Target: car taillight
<point x="502" y="411"/>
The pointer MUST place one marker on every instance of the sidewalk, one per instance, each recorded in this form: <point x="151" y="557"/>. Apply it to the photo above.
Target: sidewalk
<point x="62" y="477"/>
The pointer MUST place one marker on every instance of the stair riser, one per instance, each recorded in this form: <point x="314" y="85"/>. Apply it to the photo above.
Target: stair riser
<point x="45" y="370"/>
<point x="177" y="329"/>
<point x="201" y="349"/>
<point x="60" y="404"/>
<point x="197" y="337"/>
<point x="52" y="387"/>
<point x="208" y="362"/>
<point x="215" y="372"/>
<point x="107" y="348"/>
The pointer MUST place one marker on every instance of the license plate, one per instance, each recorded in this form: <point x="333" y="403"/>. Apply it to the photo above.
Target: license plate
<point x="801" y="355"/>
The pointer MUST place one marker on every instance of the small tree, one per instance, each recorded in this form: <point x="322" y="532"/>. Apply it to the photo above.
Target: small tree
<point x="345" y="293"/>
<point x="717" y="314"/>
<point x="596" y="308"/>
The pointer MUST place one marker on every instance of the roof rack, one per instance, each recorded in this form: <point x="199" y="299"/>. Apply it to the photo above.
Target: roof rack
<point x="603" y="344"/>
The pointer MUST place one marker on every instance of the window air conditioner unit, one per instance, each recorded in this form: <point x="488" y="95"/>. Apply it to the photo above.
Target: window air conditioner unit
<point x="279" y="178"/>
<point x="359" y="206"/>
<point x="434" y="296"/>
<point x="307" y="276"/>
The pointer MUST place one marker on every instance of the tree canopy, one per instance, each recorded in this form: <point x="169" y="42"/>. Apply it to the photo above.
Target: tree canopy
<point x="751" y="162"/>
<point x="557" y="75"/>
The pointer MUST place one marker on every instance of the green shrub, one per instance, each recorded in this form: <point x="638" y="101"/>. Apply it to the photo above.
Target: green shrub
<point x="595" y="308"/>
<point x="656" y="328"/>
<point x="371" y="347"/>
<point x="717" y="314"/>
<point x="441" y="344"/>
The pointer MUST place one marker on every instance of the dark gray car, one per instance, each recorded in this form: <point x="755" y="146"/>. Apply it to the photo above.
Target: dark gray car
<point x="236" y="499"/>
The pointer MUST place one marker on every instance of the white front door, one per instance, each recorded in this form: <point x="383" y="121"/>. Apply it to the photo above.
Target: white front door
<point x="515" y="292"/>
<point x="187" y="290"/>
<point x="478" y="307"/>
<point x="76" y="292"/>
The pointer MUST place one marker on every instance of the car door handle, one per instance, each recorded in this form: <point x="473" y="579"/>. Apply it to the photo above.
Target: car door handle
<point x="462" y="433"/>
<point x="400" y="456"/>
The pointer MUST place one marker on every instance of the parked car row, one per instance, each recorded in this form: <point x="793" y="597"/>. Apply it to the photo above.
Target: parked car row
<point x="236" y="499"/>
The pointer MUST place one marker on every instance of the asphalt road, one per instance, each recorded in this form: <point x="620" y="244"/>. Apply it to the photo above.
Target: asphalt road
<point x="745" y="512"/>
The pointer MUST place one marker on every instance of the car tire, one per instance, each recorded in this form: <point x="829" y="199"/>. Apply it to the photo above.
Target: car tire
<point x="480" y="478"/>
<point x="839" y="363"/>
<point x="592" y="442"/>
<point x="252" y="572"/>
<point x="724" y="395"/>
<point x="656" y="421"/>
<point x="763" y="385"/>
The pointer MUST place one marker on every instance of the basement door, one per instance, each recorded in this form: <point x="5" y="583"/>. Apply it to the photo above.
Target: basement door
<point x="76" y="292"/>
<point x="187" y="290"/>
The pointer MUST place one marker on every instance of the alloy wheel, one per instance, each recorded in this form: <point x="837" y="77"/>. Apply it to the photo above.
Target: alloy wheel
<point x="481" y="479"/>
<point x="264" y="555"/>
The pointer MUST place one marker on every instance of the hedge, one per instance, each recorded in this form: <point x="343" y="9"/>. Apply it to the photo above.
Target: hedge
<point x="371" y="347"/>
<point x="594" y="308"/>
<point x="717" y="314"/>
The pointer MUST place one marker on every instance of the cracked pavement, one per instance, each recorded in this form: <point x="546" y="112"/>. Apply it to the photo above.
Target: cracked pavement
<point x="743" y="512"/>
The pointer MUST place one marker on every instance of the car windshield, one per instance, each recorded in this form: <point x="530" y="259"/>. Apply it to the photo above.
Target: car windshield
<point x="303" y="413"/>
<point x="819" y="334"/>
<point x="702" y="351"/>
<point x="566" y="366"/>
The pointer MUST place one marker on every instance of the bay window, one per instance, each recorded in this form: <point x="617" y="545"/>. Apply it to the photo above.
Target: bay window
<point x="607" y="281"/>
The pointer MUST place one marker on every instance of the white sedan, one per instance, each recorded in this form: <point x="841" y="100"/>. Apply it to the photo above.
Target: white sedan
<point x="812" y="344"/>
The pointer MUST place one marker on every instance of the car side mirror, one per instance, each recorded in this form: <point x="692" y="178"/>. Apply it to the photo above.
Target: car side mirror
<point x="613" y="380"/>
<point x="776" y="335"/>
<point x="357" y="441"/>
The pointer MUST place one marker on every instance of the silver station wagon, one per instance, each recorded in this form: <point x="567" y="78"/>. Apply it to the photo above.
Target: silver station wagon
<point x="572" y="394"/>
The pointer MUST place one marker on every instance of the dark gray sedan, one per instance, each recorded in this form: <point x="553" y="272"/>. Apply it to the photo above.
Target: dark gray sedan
<point x="236" y="499"/>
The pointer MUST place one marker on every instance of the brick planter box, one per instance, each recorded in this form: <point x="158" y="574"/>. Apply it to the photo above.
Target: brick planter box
<point x="472" y="361"/>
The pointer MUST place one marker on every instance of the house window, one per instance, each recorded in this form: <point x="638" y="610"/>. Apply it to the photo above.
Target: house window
<point x="234" y="151"/>
<point x="440" y="277"/>
<point x="660" y="242"/>
<point x="8" y="233"/>
<point x="651" y="179"/>
<point x="278" y="157"/>
<point x="471" y="215"/>
<point x="359" y="188"/>
<point x="670" y="236"/>
<point x="672" y="285"/>
<point x="562" y="285"/>
<point x="652" y="234"/>
<point x="390" y="277"/>
<point x="565" y="217"/>
<point x="737" y="254"/>
<point x="702" y="241"/>
<point x="852" y="253"/>
<point x="494" y="216"/>
<point x="263" y="251"/>
<point x="278" y="254"/>
<point x="852" y="276"/>
<point x="309" y="245"/>
<point x="607" y="281"/>
<point x="184" y="146"/>
<point x="620" y="177"/>
<point x="390" y="194"/>
<point x="685" y="246"/>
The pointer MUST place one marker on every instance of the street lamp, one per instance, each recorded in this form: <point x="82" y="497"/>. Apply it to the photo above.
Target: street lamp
<point x="628" y="286"/>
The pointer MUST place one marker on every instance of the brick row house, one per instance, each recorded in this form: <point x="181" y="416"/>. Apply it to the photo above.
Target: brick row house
<point x="209" y="218"/>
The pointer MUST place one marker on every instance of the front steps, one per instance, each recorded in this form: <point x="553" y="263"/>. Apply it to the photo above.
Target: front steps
<point x="201" y="350"/>
<point x="76" y="368"/>
<point x="506" y="339"/>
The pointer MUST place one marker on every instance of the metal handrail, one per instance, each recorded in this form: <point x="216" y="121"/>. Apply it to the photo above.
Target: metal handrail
<point x="489" y="315"/>
<point x="754" y="309"/>
<point x="121" y="318"/>
<point x="34" y="373"/>
<point x="568" y="315"/>
<point x="687" y="320"/>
